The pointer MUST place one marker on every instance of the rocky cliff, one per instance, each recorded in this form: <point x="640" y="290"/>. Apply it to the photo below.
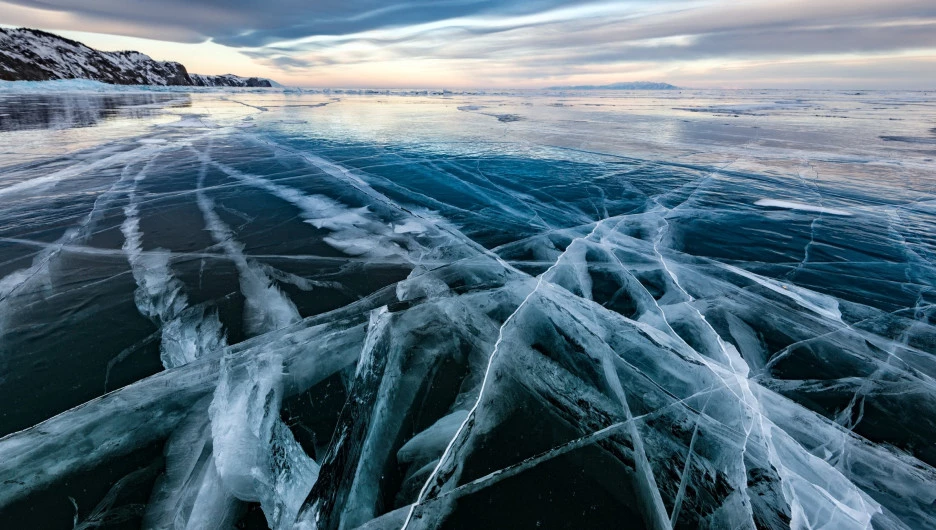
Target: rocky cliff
<point x="34" y="55"/>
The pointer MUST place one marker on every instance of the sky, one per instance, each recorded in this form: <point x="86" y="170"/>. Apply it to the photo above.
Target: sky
<point x="833" y="44"/>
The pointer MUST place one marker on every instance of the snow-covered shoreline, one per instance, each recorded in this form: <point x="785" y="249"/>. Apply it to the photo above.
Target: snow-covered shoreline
<point x="34" y="55"/>
<point x="88" y="85"/>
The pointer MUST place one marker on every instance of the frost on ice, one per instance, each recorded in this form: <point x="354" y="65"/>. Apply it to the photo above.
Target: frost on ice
<point x="364" y="336"/>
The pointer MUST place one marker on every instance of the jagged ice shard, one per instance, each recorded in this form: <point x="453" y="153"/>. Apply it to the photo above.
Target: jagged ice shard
<point x="409" y="310"/>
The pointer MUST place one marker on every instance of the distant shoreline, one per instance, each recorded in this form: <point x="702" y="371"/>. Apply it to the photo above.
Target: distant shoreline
<point x="636" y="85"/>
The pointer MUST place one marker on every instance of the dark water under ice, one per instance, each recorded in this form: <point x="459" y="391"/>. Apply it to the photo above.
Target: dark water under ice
<point x="518" y="310"/>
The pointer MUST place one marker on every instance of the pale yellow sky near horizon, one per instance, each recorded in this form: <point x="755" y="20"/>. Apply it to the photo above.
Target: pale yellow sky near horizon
<point x="541" y="49"/>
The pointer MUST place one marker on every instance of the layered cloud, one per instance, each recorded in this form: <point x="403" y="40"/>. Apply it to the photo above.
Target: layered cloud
<point x="503" y="42"/>
<point x="250" y="23"/>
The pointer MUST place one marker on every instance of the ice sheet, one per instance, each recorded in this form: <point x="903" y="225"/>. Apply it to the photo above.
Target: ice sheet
<point x="602" y="308"/>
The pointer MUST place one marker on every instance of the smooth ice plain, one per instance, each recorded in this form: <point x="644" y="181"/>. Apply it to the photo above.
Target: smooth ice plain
<point x="413" y="310"/>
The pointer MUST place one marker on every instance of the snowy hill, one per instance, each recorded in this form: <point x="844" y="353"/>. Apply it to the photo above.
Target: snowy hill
<point x="230" y="80"/>
<point x="33" y="55"/>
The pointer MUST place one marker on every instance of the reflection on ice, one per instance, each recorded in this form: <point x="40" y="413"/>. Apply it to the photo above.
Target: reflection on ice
<point x="332" y="320"/>
<point x="58" y="111"/>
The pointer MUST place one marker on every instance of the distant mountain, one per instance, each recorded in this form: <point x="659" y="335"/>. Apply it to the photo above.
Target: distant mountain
<point x="231" y="80"/>
<point x="34" y="55"/>
<point x="636" y="85"/>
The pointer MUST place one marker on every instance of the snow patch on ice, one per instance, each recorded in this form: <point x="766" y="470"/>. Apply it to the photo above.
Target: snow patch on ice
<point x="190" y="121"/>
<point x="790" y="205"/>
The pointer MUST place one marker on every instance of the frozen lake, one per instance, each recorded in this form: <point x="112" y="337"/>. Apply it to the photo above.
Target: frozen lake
<point x="406" y="309"/>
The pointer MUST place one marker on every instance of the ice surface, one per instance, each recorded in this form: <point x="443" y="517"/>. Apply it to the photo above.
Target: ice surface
<point x="56" y="86"/>
<point x="392" y="311"/>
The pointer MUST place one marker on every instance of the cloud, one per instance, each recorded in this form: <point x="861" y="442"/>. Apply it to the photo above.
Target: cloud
<point x="276" y="59"/>
<point x="514" y="41"/>
<point x="289" y="63"/>
<point x="669" y="37"/>
<point x="248" y="23"/>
